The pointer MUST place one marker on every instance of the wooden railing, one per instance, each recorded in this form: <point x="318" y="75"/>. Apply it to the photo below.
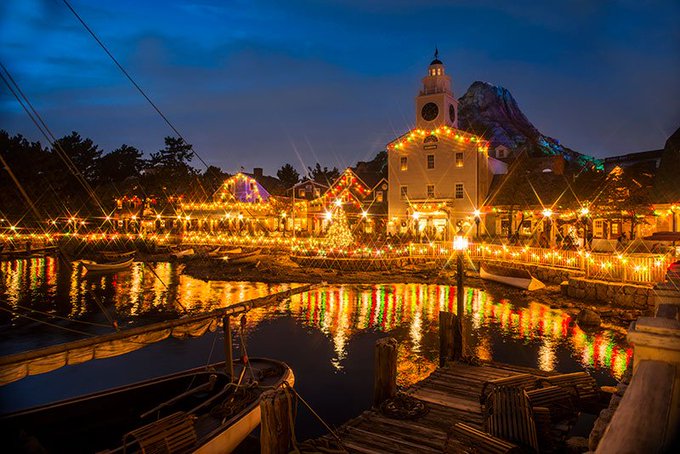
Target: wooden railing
<point x="643" y="268"/>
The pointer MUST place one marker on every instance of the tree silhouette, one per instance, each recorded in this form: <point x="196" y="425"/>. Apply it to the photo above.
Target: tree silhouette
<point x="323" y="176"/>
<point x="288" y="175"/>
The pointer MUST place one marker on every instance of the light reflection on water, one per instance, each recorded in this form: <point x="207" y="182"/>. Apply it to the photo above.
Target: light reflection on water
<point x="409" y="312"/>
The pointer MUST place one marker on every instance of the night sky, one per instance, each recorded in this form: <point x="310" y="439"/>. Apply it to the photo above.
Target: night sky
<point x="262" y="83"/>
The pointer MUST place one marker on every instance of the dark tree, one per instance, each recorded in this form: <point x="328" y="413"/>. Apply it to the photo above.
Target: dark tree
<point x="288" y="175"/>
<point x="666" y="183"/>
<point x="323" y="176"/>
<point x="120" y="164"/>
<point x="176" y="155"/>
<point x="82" y="153"/>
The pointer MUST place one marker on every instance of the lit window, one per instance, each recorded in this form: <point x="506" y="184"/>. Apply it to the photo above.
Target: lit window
<point x="430" y="161"/>
<point x="439" y="71"/>
<point x="459" y="190"/>
<point x="378" y="196"/>
<point x="459" y="159"/>
<point x="403" y="163"/>
<point x="430" y="191"/>
<point x="615" y="229"/>
<point x="317" y="192"/>
<point x="301" y="192"/>
<point x="403" y="192"/>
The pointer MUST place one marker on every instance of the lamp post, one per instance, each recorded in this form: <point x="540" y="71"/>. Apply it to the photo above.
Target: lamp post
<point x="584" y="218"/>
<point x="460" y="245"/>
<point x="478" y="219"/>
<point x="547" y="215"/>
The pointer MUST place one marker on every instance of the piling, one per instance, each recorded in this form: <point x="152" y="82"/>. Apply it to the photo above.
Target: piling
<point x="275" y="430"/>
<point x="385" y="375"/>
<point x="450" y="338"/>
<point x="228" y="348"/>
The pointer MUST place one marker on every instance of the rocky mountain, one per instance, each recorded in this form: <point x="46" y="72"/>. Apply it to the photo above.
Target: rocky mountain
<point x="666" y="182"/>
<point x="493" y="113"/>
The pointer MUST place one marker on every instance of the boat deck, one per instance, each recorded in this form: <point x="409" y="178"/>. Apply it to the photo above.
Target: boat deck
<point x="452" y="395"/>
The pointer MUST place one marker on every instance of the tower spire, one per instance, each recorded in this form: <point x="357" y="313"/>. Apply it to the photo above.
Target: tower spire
<point x="436" y="53"/>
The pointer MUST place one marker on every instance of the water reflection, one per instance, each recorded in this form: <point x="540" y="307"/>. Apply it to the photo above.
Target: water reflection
<point x="411" y="312"/>
<point x="500" y="329"/>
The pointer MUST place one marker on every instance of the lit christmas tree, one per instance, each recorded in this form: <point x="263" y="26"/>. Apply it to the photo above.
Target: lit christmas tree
<point x="339" y="235"/>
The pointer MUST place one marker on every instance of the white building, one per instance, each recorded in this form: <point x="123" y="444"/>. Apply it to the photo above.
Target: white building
<point x="438" y="175"/>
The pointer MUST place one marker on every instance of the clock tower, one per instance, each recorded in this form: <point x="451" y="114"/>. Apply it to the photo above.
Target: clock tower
<point x="435" y="104"/>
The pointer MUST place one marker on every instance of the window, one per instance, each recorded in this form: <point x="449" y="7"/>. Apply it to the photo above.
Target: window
<point x="317" y="192"/>
<point x="459" y="159"/>
<point x="301" y="192"/>
<point x="403" y="192"/>
<point x="378" y="196"/>
<point x="615" y="228"/>
<point x="430" y="191"/>
<point x="430" y="161"/>
<point x="403" y="163"/>
<point x="459" y="190"/>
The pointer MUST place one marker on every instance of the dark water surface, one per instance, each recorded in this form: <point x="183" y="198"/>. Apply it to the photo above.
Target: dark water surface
<point x="326" y="335"/>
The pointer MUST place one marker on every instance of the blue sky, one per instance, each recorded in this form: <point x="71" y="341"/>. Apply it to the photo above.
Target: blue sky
<point x="262" y="83"/>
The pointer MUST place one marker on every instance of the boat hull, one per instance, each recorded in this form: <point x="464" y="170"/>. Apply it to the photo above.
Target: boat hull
<point x="101" y="267"/>
<point x="526" y="283"/>
<point x="100" y="420"/>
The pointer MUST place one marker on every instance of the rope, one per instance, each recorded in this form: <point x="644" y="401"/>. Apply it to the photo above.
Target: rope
<point x="316" y="415"/>
<point x="84" y="322"/>
<point x="46" y="323"/>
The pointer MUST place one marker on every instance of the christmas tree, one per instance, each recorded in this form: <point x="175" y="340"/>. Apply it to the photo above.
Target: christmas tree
<point x="339" y="235"/>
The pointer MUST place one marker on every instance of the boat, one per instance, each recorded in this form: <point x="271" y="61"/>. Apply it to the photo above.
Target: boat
<point x="244" y="257"/>
<point x="110" y="266"/>
<point x="511" y="276"/>
<point x="183" y="253"/>
<point x="115" y="255"/>
<point x="202" y="410"/>
<point x="209" y="409"/>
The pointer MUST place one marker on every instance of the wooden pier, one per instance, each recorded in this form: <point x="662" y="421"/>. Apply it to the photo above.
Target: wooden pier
<point x="452" y="395"/>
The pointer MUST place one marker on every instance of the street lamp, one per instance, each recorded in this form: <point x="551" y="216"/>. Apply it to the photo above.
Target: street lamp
<point x="547" y="214"/>
<point x="460" y="245"/>
<point x="478" y="218"/>
<point x="584" y="219"/>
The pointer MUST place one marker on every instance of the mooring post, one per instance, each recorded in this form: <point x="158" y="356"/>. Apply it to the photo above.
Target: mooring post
<point x="275" y="430"/>
<point x="228" y="348"/>
<point x="385" y="375"/>
<point x="445" y="337"/>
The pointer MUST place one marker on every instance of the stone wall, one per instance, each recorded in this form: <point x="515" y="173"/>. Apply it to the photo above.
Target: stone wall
<point x="634" y="296"/>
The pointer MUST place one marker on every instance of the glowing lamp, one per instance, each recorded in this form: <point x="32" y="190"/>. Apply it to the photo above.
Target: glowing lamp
<point x="329" y="215"/>
<point x="477" y="213"/>
<point x="364" y="214"/>
<point x="547" y="212"/>
<point x="338" y="202"/>
<point x="416" y="215"/>
<point x="460" y="241"/>
<point x="585" y="211"/>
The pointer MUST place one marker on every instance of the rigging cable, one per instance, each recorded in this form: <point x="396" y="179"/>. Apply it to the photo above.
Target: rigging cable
<point x="46" y="323"/>
<point x="40" y="124"/>
<point x="141" y="91"/>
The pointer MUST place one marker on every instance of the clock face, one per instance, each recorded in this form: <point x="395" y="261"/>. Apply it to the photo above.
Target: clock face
<point x="452" y="113"/>
<point x="429" y="111"/>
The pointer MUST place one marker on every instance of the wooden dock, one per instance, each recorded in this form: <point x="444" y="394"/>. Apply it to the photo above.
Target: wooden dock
<point x="451" y="393"/>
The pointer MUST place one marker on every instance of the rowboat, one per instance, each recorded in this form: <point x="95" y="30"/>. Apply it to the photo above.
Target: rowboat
<point x="511" y="276"/>
<point x="115" y="255"/>
<point x="244" y="257"/>
<point x="102" y="267"/>
<point x="184" y="253"/>
<point x="201" y="410"/>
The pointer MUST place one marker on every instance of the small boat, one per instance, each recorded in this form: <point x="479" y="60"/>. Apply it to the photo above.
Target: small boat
<point x="202" y="410"/>
<point x="183" y="253"/>
<point x="511" y="276"/>
<point x="244" y="257"/>
<point x="115" y="255"/>
<point x="111" y="266"/>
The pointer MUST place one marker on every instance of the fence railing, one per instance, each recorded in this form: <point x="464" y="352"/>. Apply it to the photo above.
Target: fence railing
<point x="643" y="268"/>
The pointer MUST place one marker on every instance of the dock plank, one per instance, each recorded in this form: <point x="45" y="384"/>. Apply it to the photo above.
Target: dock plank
<point x="452" y="394"/>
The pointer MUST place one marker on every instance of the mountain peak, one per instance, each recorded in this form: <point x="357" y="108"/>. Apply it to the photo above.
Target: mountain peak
<point x="492" y="112"/>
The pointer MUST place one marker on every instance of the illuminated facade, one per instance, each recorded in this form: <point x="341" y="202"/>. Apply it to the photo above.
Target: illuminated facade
<point x="438" y="174"/>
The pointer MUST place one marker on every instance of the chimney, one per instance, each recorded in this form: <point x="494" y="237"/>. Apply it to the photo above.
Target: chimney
<point x="257" y="171"/>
